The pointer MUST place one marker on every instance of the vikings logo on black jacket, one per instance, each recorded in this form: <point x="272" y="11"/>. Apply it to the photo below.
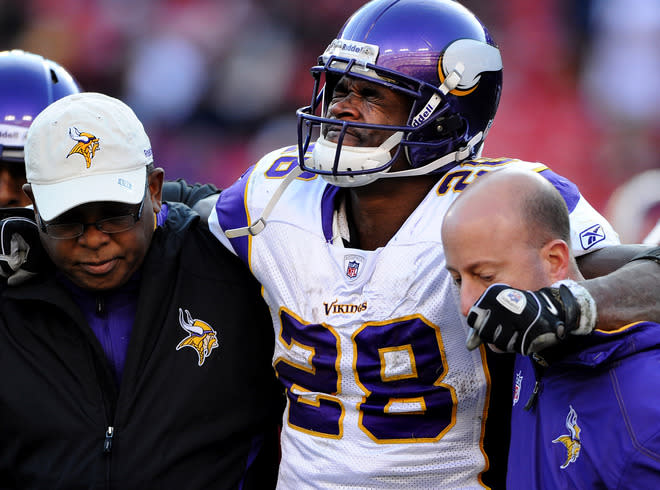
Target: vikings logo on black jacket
<point x="201" y="336"/>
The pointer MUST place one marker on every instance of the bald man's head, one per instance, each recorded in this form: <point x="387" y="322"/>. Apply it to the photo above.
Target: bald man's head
<point x="508" y="226"/>
<point x="516" y="195"/>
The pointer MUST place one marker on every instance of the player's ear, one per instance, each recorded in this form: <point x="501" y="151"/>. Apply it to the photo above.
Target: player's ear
<point x="557" y="258"/>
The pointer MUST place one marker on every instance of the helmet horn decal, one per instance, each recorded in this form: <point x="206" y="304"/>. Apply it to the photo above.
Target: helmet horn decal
<point x="475" y="57"/>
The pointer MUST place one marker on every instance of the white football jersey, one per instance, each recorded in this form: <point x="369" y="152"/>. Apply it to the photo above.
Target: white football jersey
<point x="370" y="345"/>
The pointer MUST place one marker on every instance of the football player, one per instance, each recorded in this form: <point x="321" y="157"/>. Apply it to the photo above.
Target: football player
<point x="28" y="83"/>
<point x="343" y="231"/>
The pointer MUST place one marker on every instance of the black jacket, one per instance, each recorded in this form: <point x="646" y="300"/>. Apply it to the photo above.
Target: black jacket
<point x="173" y="423"/>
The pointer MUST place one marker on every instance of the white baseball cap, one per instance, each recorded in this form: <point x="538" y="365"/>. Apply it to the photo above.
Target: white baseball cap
<point x="86" y="147"/>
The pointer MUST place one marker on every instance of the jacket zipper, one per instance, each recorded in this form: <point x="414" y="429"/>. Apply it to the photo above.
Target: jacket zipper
<point x="107" y="443"/>
<point x="110" y="430"/>
<point x="539" y="365"/>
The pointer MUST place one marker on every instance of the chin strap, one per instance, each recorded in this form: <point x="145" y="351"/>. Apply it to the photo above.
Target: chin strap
<point x="258" y="226"/>
<point x="450" y="83"/>
<point x="457" y="156"/>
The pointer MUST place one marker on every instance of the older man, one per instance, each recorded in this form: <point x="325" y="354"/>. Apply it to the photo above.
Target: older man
<point x="142" y="359"/>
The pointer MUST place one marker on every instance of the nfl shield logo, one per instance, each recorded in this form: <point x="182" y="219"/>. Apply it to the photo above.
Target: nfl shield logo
<point x="352" y="269"/>
<point x="516" y="390"/>
<point x="352" y="265"/>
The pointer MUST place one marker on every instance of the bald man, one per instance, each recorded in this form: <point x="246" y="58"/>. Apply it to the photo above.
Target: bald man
<point x="586" y="413"/>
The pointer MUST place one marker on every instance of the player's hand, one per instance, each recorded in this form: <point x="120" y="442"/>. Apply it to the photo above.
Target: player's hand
<point x="520" y="321"/>
<point x="21" y="253"/>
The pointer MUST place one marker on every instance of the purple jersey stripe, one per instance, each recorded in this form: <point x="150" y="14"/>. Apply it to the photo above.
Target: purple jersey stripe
<point x="328" y="209"/>
<point x="566" y="188"/>
<point x="232" y="212"/>
<point x="161" y="217"/>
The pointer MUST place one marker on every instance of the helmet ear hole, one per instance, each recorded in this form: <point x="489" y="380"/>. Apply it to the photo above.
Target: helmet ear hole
<point x="449" y="125"/>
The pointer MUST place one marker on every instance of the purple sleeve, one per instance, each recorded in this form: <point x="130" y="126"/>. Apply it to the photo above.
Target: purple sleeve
<point x="232" y="212"/>
<point x="161" y="217"/>
<point x="566" y="188"/>
<point x="327" y="210"/>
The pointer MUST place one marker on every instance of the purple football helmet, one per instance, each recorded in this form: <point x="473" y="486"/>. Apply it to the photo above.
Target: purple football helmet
<point x="28" y="83"/>
<point x="434" y="51"/>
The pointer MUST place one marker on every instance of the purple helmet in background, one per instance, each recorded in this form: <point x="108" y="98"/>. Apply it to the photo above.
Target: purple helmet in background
<point x="434" y="51"/>
<point x="28" y="83"/>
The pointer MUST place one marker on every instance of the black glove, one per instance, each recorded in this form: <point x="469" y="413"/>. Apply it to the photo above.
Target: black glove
<point x="520" y="321"/>
<point x="21" y="254"/>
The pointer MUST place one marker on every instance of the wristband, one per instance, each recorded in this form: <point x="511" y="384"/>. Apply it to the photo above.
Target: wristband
<point x="588" y="311"/>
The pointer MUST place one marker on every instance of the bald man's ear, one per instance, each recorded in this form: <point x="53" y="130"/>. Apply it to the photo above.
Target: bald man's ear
<point x="557" y="258"/>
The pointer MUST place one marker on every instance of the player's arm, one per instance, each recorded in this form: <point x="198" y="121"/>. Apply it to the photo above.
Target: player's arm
<point x="530" y="321"/>
<point x="21" y="254"/>
<point x="200" y="197"/>
<point x="608" y="259"/>
<point x="180" y="191"/>
<point x="630" y="293"/>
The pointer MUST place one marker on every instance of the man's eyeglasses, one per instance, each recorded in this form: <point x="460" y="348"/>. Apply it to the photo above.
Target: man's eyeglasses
<point x="116" y="224"/>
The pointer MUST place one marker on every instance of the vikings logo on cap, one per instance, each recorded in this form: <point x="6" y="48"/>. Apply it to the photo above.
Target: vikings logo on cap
<point x="201" y="336"/>
<point x="86" y="145"/>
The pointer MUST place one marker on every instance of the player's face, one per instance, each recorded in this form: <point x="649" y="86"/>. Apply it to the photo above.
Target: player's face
<point x="12" y="178"/>
<point x="97" y="260"/>
<point x="489" y="250"/>
<point x="362" y="101"/>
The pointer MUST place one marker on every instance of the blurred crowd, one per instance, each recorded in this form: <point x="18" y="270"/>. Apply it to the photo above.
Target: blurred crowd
<point x="217" y="82"/>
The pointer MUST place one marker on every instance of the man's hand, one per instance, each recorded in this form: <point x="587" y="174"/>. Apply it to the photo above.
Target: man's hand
<point x="21" y="253"/>
<point x="520" y="321"/>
